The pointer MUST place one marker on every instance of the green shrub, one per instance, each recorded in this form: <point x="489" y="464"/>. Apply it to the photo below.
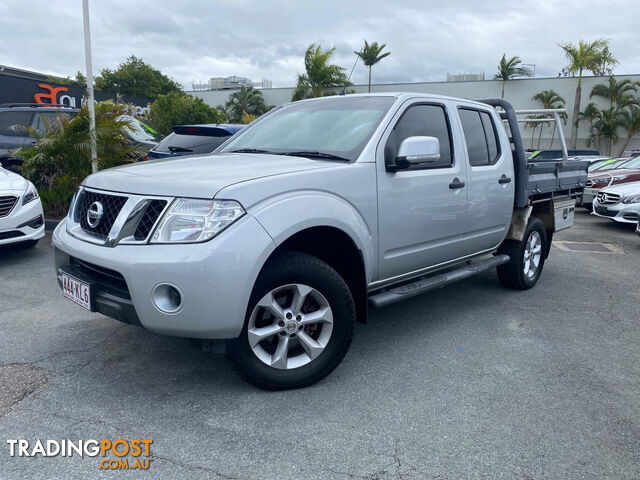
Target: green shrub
<point x="61" y="158"/>
<point x="181" y="109"/>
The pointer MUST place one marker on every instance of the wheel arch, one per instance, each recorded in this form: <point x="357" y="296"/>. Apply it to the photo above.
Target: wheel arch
<point x="336" y="248"/>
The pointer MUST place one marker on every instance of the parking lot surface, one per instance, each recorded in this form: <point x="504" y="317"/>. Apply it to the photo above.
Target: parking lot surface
<point x="470" y="381"/>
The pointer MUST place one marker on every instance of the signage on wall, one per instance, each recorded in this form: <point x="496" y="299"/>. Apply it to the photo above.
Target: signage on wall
<point x="50" y="96"/>
<point x="24" y="90"/>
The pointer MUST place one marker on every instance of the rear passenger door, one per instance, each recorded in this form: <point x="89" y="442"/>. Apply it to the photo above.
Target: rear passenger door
<point x="491" y="178"/>
<point x="421" y="209"/>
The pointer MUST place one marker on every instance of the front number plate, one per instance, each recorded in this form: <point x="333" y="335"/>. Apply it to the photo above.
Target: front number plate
<point x="76" y="291"/>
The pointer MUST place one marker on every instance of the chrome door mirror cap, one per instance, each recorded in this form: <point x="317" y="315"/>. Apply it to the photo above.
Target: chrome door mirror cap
<point x="418" y="150"/>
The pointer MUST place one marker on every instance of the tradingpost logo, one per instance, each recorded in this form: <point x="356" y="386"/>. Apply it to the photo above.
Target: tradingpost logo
<point x="124" y="454"/>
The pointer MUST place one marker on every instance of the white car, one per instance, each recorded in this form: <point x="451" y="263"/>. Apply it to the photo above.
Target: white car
<point x="21" y="215"/>
<point x="619" y="202"/>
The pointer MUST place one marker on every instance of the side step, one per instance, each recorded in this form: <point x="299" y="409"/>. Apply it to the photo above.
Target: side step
<point x="425" y="284"/>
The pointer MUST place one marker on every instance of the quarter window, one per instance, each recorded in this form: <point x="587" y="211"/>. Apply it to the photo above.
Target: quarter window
<point x="480" y="135"/>
<point x="422" y="120"/>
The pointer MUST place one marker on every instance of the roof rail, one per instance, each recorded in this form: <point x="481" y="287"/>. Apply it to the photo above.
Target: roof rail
<point x="57" y="105"/>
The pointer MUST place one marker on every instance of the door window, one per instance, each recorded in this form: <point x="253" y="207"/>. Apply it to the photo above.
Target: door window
<point x="481" y="137"/>
<point x="422" y="120"/>
<point x="44" y="121"/>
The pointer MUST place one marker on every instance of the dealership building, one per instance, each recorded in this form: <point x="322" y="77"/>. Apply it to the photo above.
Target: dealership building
<point x="518" y="91"/>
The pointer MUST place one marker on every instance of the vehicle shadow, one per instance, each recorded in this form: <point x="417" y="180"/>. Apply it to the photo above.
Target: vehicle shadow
<point x="132" y="362"/>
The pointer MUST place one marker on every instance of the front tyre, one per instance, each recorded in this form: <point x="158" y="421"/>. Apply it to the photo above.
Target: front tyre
<point x="527" y="257"/>
<point x="298" y="326"/>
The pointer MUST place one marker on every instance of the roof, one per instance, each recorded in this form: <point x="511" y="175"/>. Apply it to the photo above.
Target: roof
<point x="36" y="107"/>
<point x="230" y="128"/>
<point x="397" y="95"/>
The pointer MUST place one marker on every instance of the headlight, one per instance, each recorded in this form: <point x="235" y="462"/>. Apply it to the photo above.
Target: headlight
<point x="619" y="177"/>
<point x="631" y="199"/>
<point x="192" y="220"/>
<point x="30" y="194"/>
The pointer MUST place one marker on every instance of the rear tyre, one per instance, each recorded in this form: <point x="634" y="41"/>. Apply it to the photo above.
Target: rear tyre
<point x="527" y="257"/>
<point x="298" y="326"/>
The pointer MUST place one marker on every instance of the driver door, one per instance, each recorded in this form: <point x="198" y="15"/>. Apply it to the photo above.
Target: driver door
<point x="421" y="209"/>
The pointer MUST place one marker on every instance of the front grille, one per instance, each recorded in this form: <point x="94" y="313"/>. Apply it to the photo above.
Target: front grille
<point x="11" y="234"/>
<point x="100" y="274"/>
<point x="111" y="205"/>
<point x="149" y="219"/>
<point x="6" y="205"/>
<point x="605" y="198"/>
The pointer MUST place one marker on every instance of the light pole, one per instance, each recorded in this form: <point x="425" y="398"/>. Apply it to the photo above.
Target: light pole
<point x="532" y="68"/>
<point x="92" y="110"/>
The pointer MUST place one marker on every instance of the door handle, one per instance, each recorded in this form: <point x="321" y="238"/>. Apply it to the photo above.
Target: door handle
<point x="456" y="184"/>
<point x="504" y="179"/>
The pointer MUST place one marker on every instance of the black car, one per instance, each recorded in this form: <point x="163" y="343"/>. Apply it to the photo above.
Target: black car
<point x="15" y="118"/>
<point x="193" y="139"/>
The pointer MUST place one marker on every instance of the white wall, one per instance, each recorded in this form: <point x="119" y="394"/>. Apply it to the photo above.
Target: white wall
<point x="519" y="92"/>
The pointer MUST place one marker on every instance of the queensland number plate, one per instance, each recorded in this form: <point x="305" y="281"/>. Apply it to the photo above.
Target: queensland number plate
<point x="76" y="291"/>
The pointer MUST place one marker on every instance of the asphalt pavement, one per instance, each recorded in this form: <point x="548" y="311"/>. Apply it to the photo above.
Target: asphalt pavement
<point x="470" y="381"/>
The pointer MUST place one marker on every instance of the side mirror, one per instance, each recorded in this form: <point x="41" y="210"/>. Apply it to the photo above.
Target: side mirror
<point x="416" y="151"/>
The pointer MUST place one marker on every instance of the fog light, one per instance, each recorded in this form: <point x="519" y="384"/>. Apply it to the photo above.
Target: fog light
<point x="167" y="298"/>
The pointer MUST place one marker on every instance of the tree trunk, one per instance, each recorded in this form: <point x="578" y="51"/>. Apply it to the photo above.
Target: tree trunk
<point x="624" y="147"/>
<point x="503" y="82"/>
<point x="576" y="112"/>
<point x="533" y="134"/>
<point x="369" y="78"/>
<point x="553" y="134"/>
<point x="540" y="135"/>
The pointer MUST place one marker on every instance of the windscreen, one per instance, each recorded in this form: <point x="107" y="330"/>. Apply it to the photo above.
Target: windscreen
<point x="176" y="143"/>
<point x="136" y="131"/>
<point x="338" y="126"/>
<point x="634" y="163"/>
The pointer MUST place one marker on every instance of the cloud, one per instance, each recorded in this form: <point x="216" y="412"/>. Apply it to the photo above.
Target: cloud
<point x="195" y="40"/>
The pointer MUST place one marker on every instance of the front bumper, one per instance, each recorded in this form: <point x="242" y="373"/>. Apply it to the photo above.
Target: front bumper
<point x="588" y="195"/>
<point x="620" y="212"/>
<point x="24" y="223"/>
<point x="215" y="278"/>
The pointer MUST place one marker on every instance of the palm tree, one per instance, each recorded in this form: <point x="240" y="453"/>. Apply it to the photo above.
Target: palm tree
<point x="590" y="113"/>
<point x="630" y="121"/>
<point x="533" y="126"/>
<point x="604" y="126"/>
<point x="319" y="74"/>
<point x="247" y="100"/>
<point x="510" y="68"/>
<point x="550" y="100"/>
<point x="619" y="94"/>
<point x="370" y="55"/>
<point x="586" y="56"/>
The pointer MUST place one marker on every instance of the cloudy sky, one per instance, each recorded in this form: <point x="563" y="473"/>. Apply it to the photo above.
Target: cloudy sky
<point x="195" y="40"/>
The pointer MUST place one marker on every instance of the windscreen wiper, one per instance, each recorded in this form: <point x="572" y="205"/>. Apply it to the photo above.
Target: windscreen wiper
<point x="179" y="150"/>
<point x="251" y="150"/>
<point x="316" y="154"/>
